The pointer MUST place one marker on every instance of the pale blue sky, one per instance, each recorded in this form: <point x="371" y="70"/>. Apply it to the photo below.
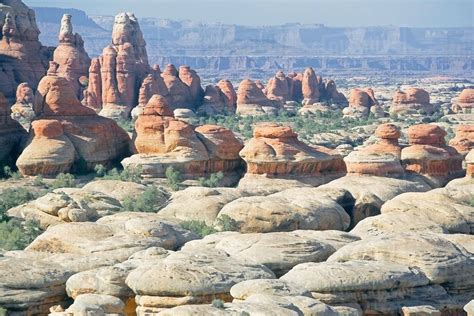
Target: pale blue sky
<point x="430" y="13"/>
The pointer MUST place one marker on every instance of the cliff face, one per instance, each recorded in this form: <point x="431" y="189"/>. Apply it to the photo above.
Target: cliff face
<point x="289" y="46"/>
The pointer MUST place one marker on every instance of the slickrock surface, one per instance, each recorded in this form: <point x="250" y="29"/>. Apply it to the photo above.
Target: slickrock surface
<point x="70" y="55"/>
<point x="22" y="110"/>
<point x="410" y="102"/>
<point x="251" y="100"/>
<point x="429" y="156"/>
<point x="68" y="129"/>
<point x="162" y="141"/>
<point x="11" y="133"/>
<point x="24" y="58"/>
<point x="275" y="152"/>
<point x="380" y="159"/>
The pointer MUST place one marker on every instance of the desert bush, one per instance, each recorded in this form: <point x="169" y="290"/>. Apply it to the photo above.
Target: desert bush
<point x="129" y="174"/>
<point x="150" y="200"/>
<point x="200" y="228"/>
<point x="218" y="304"/>
<point x="63" y="180"/>
<point x="174" y="178"/>
<point x="226" y="223"/>
<point x="10" y="198"/>
<point x="39" y="181"/>
<point x="212" y="181"/>
<point x="16" y="235"/>
<point x="9" y="173"/>
<point x="100" y="170"/>
<point x="126" y="124"/>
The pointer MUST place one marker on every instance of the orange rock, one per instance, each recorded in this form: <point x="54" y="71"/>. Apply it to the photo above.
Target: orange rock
<point x="151" y="86"/>
<point x="49" y="151"/>
<point x="252" y="101"/>
<point x="70" y="55"/>
<point x="362" y="98"/>
<point x="310" y="87"/>
<point x="279" y="88"/>
<point x="95" y="139"/>
<point x="23" y="57"/>
<point x="411" y="101"/>
<point x="331" y="94"/>
<point x="465" y="102"/>
<point x="380" y="159"/>
<point x="464" y="139"/>
<point x="429" y="156"/>
<point x="192" y="80"/>
<point x="93" y="97"/>
<point x="275" y="151"/>
<point x="230" y="96"/>
<point x="179" y="94"/>
<point x="22" y="110"/>
<point x="214" y="101"/>
<point x="470" y="163"/>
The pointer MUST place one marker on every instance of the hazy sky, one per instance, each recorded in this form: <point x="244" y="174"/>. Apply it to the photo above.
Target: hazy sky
<point x="265" y="12"/>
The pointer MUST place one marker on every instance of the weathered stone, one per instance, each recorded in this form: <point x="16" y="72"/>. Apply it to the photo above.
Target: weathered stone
<point x="22" y="110"/>
<point x="252" y="101"/>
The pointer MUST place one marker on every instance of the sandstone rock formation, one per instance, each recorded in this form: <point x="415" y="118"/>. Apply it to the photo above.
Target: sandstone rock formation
<point x="114" y="83"/>
<point x="70" y="55"/>
<point x="381" y="159"/>
<point x="179" y="93"/>
<point x="361" y="102"/>
<point x="464" y="139"/>
<point x="465" y="102"/>
<point x="69" y="130"/>
<point x="279" y="88"/>
<point x="214" y="101"/>
<point x="192" y="80"/>
<point x="310" y="87"/>
<point x="470" y="163"/>
<point x="230" y="96"/>
<point x="252" y="101"/>
<point x="24" y="59"/>
<point x="428" y="154"/>
<point x="161" y="141"/>
<point x="412" y="101"/>
<point x="275" y="152"/>
<point x="22" y="110"/>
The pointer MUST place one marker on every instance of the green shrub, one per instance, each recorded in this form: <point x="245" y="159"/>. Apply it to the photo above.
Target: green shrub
<point x="227" y="224"/>
<point x="100" y="170"/>
<point x="39" y="181"/>
<point x="126" y="124"/>
<point x="149" y="201"/>
<point x="212" y="181"/>
<point x="198" y="227"/>
<point x="15" y="235"/>
<point x="174" y="178"/>
<point x="64" y="180"/>
<point x="218" y="304"/>
<point x="3" y="311"/>
<point x="12" y="197"/>
<point x="129" y="174"/>
<point x="9" y="173"/>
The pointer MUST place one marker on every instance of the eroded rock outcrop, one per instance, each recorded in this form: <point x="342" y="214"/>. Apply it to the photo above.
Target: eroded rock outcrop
<point x="192" y="80"/>
<point x="179" y="93"/>
<point x="251" y="100"/>
<point x="464" y="103"/>
<point x="464" y="139"/>
<point x="71" y="57"/>
<point x="361" y="101"/>
<point x="381" y="159"/>
<point x="161" y="141"/>
<point x="279" y="88"/>
<point x="22" y="110"/>
<point x="24" y="59"/>
<point x="410" y="102"/>
<point x="429" y="156"/>
<point x="275" y="152"/>
<point x="65" y="122"/>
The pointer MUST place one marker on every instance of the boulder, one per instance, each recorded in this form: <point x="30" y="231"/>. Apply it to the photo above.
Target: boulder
<point x="95" y="304"/>
<point x="279" y="88"/>
<point x="361" y="102"/>
<point x="252" y="101"/>
<point x="95" y="140"/>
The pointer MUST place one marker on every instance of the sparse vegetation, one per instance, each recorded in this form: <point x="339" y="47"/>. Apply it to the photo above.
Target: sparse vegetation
<point x="218" y="304"/>
<point x="64" y="180"/>
<point x="39" y="181"/>
<point x="12" y="197"/>
<point x="212" y="181"/>
<point x="149" y="201"/>
<point x="16" y="235"/>
<point x="129" y="174"/>
<point x="126" y="124"/>
<point x="174" y="178"/>
<point x="200" y="228"/>
<point x="9" y="173"/>
<point x="227" y="224"/>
